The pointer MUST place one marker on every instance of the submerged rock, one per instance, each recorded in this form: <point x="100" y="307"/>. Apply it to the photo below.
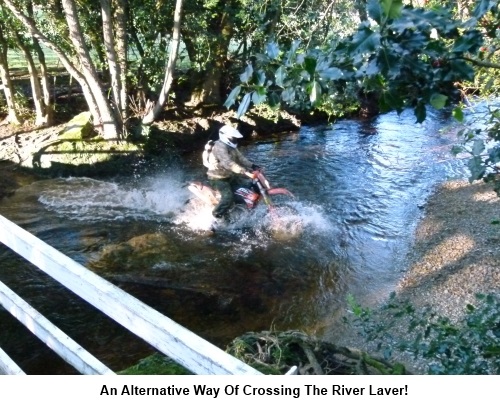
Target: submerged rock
<point x="135" y="254"/>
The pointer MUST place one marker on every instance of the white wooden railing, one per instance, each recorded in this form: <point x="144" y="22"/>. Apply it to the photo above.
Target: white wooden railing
<point x="175" y="341"/>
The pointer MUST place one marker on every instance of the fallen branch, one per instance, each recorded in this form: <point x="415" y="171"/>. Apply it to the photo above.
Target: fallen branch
<point x="273" y="352"/>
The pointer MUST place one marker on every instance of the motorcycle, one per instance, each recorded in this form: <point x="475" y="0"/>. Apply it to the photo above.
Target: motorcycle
<point x="245" y="198"/>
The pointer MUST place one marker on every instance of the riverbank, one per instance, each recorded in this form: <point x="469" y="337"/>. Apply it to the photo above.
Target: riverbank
<point x="455" y="256"/>
<point x="68" y="147"/>
<point x="456" y="253"/>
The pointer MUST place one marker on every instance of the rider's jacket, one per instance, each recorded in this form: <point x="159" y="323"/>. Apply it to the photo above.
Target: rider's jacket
<point x="224" y="161"/>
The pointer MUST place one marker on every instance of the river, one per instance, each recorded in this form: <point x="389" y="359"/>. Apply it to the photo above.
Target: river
<point x="359" y="186"/>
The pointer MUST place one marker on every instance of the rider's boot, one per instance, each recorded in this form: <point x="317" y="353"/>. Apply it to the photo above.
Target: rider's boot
<point x="220" y="221"/>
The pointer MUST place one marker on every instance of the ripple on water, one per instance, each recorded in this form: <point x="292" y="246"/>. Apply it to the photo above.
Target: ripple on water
<point x="358" y="188"/>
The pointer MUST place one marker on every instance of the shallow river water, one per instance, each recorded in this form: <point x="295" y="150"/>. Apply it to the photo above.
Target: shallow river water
<point x="359" y="188"/>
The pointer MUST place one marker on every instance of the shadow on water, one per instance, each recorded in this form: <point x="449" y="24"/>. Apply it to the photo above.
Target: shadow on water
<point x="359" y="187"/>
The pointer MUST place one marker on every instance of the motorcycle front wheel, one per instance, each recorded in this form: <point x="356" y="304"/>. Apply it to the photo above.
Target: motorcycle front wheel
<point x="284" y="222"/>
<point x="238" y="212"/>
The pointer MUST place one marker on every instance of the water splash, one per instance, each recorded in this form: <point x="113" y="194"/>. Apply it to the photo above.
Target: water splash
<point x="86" y="199"/>
<point x="195" y="215"/>
<point x="283" y="222"/>
<point x="165" y="198"/>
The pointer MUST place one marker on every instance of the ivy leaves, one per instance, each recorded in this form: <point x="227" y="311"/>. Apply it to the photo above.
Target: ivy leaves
<point x="471" y="346"/>
<point x="381" y="11"/>
<point x="292" y="77"/>
<point x="482" y="149"/>
<point x="407" y="57"/>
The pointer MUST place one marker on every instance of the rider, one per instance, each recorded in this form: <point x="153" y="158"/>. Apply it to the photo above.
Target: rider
<point x="226" y="165"/>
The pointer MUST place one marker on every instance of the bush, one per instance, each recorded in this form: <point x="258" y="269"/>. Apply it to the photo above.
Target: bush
<point x="470" y="346"/>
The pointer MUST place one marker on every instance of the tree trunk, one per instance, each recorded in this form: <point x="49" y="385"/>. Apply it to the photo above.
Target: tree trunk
<point x="44" y="77"/>
<point x="122" y="49"/>
<point x="44" y="82"/>
<point x="113" y="65"/>
<point x="12" y="116"/>
<point x="209" y="92"/>
<point x="169" y="71"/>
<point x="30" y="25"/>
<point x="106" y="118"/>
<point x="8" y="88"/>
<point x="40" y="107"/>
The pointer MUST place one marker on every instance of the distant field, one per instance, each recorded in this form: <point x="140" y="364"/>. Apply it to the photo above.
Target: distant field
<point x="17" y="61"/>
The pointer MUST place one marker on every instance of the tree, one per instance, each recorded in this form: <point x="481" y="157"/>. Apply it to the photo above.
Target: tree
<point x="38" y="100"/>
<point x="207" y="35"/>
<point x="105" y="119"/>
<point x="398" y="56"/>
<point x="15" y="38"/>
<point x="403" y="57"/>
<point x="103" y="114"/>
<point x="169" y="70"/>
<point x="43" y="73"/>
<point x="149" y="29"/>
<point x="121" y="44"/>
<point x="8" y="88"/>
<point x="112" y="59"/>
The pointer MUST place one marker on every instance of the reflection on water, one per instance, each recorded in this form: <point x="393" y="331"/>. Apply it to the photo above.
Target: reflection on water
<point x="359" y="188"/>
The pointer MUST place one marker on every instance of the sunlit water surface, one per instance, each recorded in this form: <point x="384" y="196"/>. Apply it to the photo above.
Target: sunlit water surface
<point x="359" y="190"/>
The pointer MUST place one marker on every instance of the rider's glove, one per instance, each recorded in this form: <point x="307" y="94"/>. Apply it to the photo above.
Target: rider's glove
<point x="255" y="167"/>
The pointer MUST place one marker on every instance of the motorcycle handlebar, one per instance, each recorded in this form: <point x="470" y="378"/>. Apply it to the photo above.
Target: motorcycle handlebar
<point x="261" y="178"/>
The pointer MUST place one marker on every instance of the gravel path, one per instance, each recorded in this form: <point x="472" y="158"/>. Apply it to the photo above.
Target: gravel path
<point x="455" y="255"/>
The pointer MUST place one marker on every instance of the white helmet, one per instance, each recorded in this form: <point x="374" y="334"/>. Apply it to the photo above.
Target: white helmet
<point x="229" y="136"/>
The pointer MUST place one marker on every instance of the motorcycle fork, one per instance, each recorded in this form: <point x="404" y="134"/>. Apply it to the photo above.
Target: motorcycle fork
<point x="265" y="196"/>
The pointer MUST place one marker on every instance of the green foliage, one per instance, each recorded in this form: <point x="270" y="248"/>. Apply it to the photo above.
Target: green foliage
<point x="205" y="29"/>
<point x="408" y="57"/>
<point x="382" y="11"/>
<point x="150" y="30"/>
<point x="481" y="145"/>
<point x="299" y="78"/>
<point x="313" y="23"/>
<point x="469" y="346"/>
<point x="487" y="60"/>
<point x="156" y="364"/>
